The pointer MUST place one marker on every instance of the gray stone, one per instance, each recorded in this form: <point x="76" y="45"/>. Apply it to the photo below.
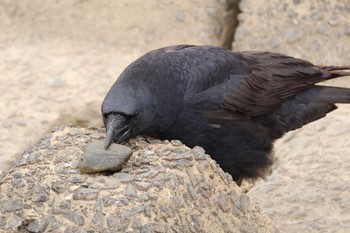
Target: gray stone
<point x="179" y="155"/>
<point x="75" y="217"/>
<point x="37" y="226"/>
<point x="96" y="159"/>
<point x="223" y="203"/>
<point x="18" y="183"/>
<point x="58" y="186"/>
<point x="163" y="151"/>
<point x="34" y="157"/>
<point x="108" y="201"/>
<point x="98" y="205"/>
<point x="2" y="221"/>
<point x="111" y="221"/>
<point x="11" y="205"/>
<point x="177" y="202"/>
<point x="136" y="224"/>
<point x="199" y="153"/>
<point x="142" y="186"/>
<point x="62" y="207"/>
<point x="191" y="191"/>
<point x="98" y="219"/>
<point x="202" y="166"/>
<point x="143" y="197"/>
<point x="108" y="182"/>
<point x="193" y="178"/>
<point x="76" y="179"/>
<point x="53" y="222"/>
<point x="59" y="168"/>
<point x="85" y="194"/>
<point x="152" y="174"/>
<point x="74" y="229"/>
<point x="124" y="177"/>
<point x="242" y="203"/>
<point x="130" y="191"/>
<point x="127" y="214"/>
<point x="155" y="228"/>
<point x="15" y="222"/>
<point x="39" y="195"/>
<point x="176" y="143"/>
<point x="206" y="189"/>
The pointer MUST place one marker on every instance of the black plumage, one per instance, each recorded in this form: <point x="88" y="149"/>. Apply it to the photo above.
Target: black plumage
<point x="234" y="105"/>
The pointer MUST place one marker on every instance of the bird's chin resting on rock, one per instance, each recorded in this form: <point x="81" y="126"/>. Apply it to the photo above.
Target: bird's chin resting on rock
<point x="233" y="104"/>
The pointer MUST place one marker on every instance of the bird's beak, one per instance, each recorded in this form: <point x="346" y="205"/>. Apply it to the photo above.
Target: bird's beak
<point x="117" y="129"/>
<point x="109" y="137"/>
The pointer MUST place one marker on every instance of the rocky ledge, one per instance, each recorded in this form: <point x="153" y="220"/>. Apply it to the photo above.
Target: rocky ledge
<point x="164" y="187"/>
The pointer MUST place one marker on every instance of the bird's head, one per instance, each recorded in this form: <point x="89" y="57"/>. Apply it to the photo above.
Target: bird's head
<point x="119" y="127"/>
<point x="143" y="99"/>
<point x="126" y="112"/>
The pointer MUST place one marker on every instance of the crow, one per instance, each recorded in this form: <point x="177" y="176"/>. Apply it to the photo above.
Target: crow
<point x="233" y="104"/>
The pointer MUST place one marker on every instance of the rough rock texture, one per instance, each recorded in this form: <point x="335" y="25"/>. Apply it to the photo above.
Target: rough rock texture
<point x="165" y="187"/>
<point x="318" y="31"/>
<point x="59" y="58"/>
<point x="308" y="190"/>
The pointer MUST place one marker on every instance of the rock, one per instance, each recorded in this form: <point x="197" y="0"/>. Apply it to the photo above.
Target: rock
<point x="36" y="226"/>
<point x="97" y="159"/>
<point x="11" y="205"/>
<point x="176" y="198"/>
<point x="85" y="194"/>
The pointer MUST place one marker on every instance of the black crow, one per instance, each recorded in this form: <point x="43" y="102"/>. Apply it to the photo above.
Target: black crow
<point x="233" y="104"/>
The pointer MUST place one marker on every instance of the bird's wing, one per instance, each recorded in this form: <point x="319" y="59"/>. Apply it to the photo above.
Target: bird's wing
<point x="259" y="87"/>
<point x="272" y="79"/>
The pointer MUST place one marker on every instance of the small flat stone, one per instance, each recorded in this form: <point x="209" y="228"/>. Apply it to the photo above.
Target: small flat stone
<point x="97" y="159"/>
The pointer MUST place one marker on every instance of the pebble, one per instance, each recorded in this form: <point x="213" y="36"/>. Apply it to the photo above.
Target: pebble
<point x="36" y="226"/>
<point x="124" y="177"/>
<point x="2" y="221"/>
<point x="96" y="159"/>
<point x="176" y="143"/>
<point x="85" y="194"/>
<point x="15" y="222"/>
<point x="199" y="153"/>
<point x="75" y="217"/>
<point x="11" y="205"/>
<point x="53" y="222"/>
<point x="39" y="195"/>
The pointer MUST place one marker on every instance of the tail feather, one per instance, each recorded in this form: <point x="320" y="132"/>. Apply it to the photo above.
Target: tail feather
<point x="336" y="71"/>
<point x="311" y="105"/>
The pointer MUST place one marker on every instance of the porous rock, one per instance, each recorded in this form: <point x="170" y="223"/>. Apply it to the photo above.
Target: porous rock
<point x="153" y="192"/>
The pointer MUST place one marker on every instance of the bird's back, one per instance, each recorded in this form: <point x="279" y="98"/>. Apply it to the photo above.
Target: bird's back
<point x="232" y="104"/>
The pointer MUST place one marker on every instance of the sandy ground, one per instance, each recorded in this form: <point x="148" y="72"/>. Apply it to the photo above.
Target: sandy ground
<point x="58" y="60"/>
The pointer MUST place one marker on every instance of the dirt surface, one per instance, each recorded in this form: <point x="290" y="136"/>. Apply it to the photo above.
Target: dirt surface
<point x="308" y="190"/>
